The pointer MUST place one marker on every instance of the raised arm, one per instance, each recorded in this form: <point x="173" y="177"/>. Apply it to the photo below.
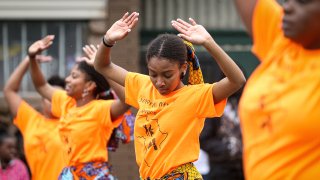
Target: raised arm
<point x="119" y="30"/>
<point x="245" y="9"/>
<point x="118" y="107"/>
<point x="91" y="51"/>
<point x="11" y="88"/>
<point x="197" y="34"/>
<point x="41" y="85"/>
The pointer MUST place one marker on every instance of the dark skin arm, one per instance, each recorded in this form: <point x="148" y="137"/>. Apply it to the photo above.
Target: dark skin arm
<point x="41" y="85"/>
<point x="12" y="86"/>
<point x="118" y="31"/>
<point x="245" y="9"/>
<point x="197" y="34"/>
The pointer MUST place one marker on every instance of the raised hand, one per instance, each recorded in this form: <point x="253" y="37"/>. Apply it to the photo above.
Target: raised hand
<point x="192" y="31"/>
<point x="40" y="45"/>
<point x="90" y="53"/>
<point x="121" y="28"/>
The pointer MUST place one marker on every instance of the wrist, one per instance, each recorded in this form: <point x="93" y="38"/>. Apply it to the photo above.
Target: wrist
<point x="107" y="42"/>
<point x="209" y="42"/>
<point x="31" y="56"/>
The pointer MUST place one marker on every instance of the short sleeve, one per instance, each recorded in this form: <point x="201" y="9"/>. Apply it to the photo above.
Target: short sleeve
<point x="206" y="105"/>
<point x="266" y="26"/>
<point x="103" y="109"/>
<point x="60" y="102"/>
<point x="25" y="115"/>
<point x="133" y="84"/>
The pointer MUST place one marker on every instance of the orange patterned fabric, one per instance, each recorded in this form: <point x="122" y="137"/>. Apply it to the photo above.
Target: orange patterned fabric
<point x="195" y="73"/>
<point x="184" y="172"/>
<point x="87" y="171"/>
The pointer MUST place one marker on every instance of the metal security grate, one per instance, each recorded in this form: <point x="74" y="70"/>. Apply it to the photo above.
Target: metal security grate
<point x="213" y="14"/>
<point x="16" y="36"/>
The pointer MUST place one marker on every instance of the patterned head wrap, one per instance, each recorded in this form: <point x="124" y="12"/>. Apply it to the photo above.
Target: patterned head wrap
<point x="195" y="73"/>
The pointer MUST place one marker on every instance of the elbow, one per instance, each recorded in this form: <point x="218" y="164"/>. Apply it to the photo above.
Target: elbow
<point x="7" y="89"/>
<point x="239" y="83"/>
<point x="242" y="82"/>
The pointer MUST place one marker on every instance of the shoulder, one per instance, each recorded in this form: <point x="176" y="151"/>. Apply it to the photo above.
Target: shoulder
<point x="137" y="76"/>
<point x="199" y="87"/>
<point x="25" y="108"/>
<point x="101" y="103"/>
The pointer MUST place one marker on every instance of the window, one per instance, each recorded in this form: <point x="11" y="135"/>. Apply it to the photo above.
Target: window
<point x="16" y="36"/>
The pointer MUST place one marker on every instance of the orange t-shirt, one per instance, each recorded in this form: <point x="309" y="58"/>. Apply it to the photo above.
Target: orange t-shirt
<point x="42" y="144"/>
<point x="280" y="105"/>
<point x="167" y="128"/>
<point x="84" y="130"/>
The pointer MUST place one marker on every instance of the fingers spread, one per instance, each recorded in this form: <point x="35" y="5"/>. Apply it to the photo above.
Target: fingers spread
<point x="179" y="27"/>
<point x="45" y="46"/>
<point x="93" y="48"/>
<point x="193" y="22"/>
<point x="47" y="39"/>
<point x="131" y="18"/>
<point x="183" y="36"/>
<point x="124" y="16"/>
<point x="184" y="23"/>
<point x="83" y="58"/>
<point x="133" y="23"/>
<point x="86" y="49"/>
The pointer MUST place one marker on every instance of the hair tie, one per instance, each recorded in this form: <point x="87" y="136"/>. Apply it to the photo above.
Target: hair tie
<point x="195" y="73"/>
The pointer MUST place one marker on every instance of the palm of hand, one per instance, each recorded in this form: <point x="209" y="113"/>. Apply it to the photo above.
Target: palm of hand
<point x="91" y="55"/>
<point x="40" y="45"/>
<point x="90" y="52"/>
<point x="35" y="48"/>
<point x="90" y="61"/>
<point x="118" y="31"/>
<point x="197" y="34"/>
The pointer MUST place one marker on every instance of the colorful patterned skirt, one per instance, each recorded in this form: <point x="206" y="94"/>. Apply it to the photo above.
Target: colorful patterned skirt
<point x="87" y="171"/>
<point x="184" y="172"/>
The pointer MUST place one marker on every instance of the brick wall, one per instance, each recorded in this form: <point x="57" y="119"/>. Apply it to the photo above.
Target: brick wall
<point x="126" y="52"/>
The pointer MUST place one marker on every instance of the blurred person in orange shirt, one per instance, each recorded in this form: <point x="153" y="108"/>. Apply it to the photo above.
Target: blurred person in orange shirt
<point x="280" y="106"/>
<point x="42" y="145"/>
<point x="88" y="114"/>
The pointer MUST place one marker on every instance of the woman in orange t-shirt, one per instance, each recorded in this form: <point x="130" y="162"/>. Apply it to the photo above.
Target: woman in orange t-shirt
<point x="171" y="115"/>
<point x="280" y="107"/>
<point x="39" y="130"/>
<point x="86" y="120"/>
